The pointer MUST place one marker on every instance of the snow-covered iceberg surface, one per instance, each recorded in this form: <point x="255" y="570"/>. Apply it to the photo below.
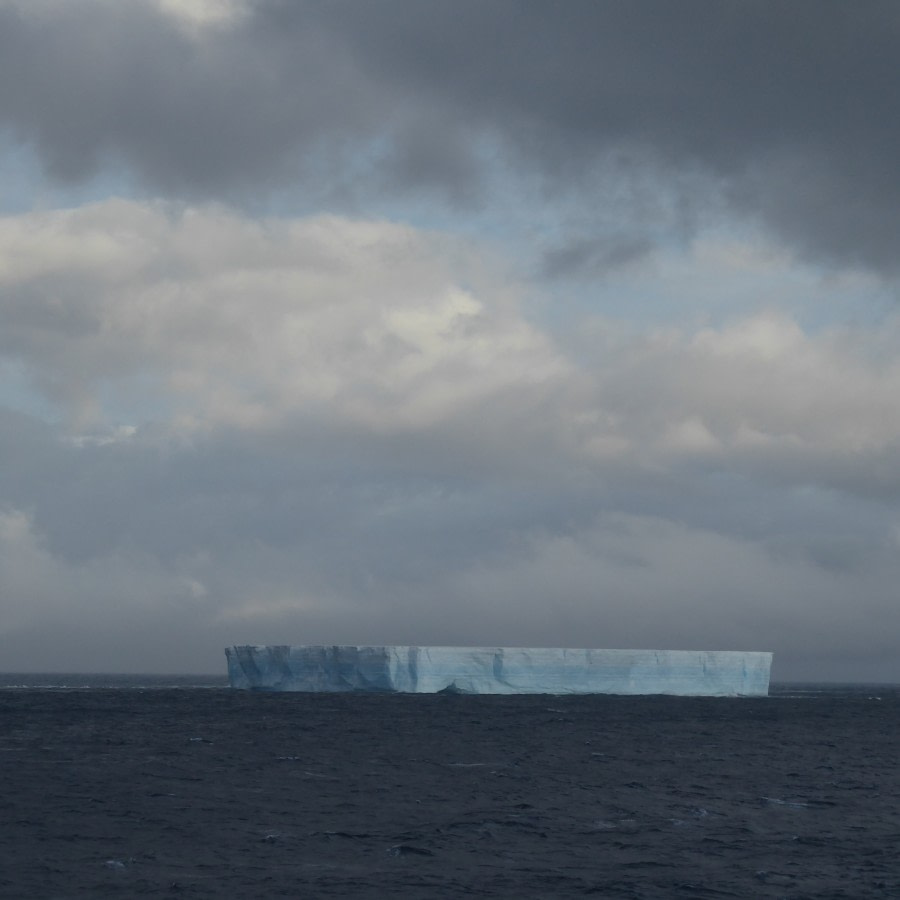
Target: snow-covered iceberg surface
<point x="500" y="670"/>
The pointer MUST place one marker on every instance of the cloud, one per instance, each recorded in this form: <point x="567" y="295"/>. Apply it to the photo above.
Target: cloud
<point x="233" y="320"/>
<point x="64" y="616"/>
<point x="186" y="109"/>
<point x="735" y="109"/>
<point x="605" y="385"/>
<point x="205" y="13"/>
<point x="198" y="317"/>
<point x="632" y="580"/>
<point x="334" y="429"/>
<point x="313" y="560"/>
<point x="760" y="388"/>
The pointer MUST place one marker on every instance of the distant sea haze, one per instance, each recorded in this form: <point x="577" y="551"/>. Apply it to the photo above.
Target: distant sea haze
<point x="61" y="681"/>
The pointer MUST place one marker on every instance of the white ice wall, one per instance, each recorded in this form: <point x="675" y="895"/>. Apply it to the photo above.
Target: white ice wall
<point x="499" y="670"/>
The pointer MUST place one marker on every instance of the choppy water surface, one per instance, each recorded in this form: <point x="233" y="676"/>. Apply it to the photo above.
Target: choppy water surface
<point x="134" y="789"/>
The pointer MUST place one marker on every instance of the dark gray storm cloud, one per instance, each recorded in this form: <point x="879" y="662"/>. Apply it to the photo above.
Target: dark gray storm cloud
<point x="94" y="84"/>
<point x="787" y="112"/>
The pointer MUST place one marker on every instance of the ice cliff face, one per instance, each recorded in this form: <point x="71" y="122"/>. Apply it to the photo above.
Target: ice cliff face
<point x="499" y="670"/>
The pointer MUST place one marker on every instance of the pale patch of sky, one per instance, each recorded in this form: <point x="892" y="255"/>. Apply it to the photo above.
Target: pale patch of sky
<point x="18" y="392"/>
<point x="25" y="187"/>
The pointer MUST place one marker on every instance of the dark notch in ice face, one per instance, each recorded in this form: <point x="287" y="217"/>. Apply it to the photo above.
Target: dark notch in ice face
<point x="499" y="670"/>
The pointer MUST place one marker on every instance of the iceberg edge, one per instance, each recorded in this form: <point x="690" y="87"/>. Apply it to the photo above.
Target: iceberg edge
<point x="498" y="670"/>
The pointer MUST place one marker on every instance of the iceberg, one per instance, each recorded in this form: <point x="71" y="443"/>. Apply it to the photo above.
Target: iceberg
<point x="499" y="670"/>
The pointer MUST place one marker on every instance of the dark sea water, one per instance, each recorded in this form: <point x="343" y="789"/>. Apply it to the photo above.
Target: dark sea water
<point x="131" y="786"/>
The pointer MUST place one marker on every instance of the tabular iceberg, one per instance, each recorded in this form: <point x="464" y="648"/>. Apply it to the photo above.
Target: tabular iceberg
<point x="499" y="670"/>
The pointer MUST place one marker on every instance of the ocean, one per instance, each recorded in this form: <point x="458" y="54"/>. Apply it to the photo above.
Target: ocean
<point x="177" y="786"/>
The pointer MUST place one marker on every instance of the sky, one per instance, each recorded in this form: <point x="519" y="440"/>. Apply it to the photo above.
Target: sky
<point x="511" y="323"/>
